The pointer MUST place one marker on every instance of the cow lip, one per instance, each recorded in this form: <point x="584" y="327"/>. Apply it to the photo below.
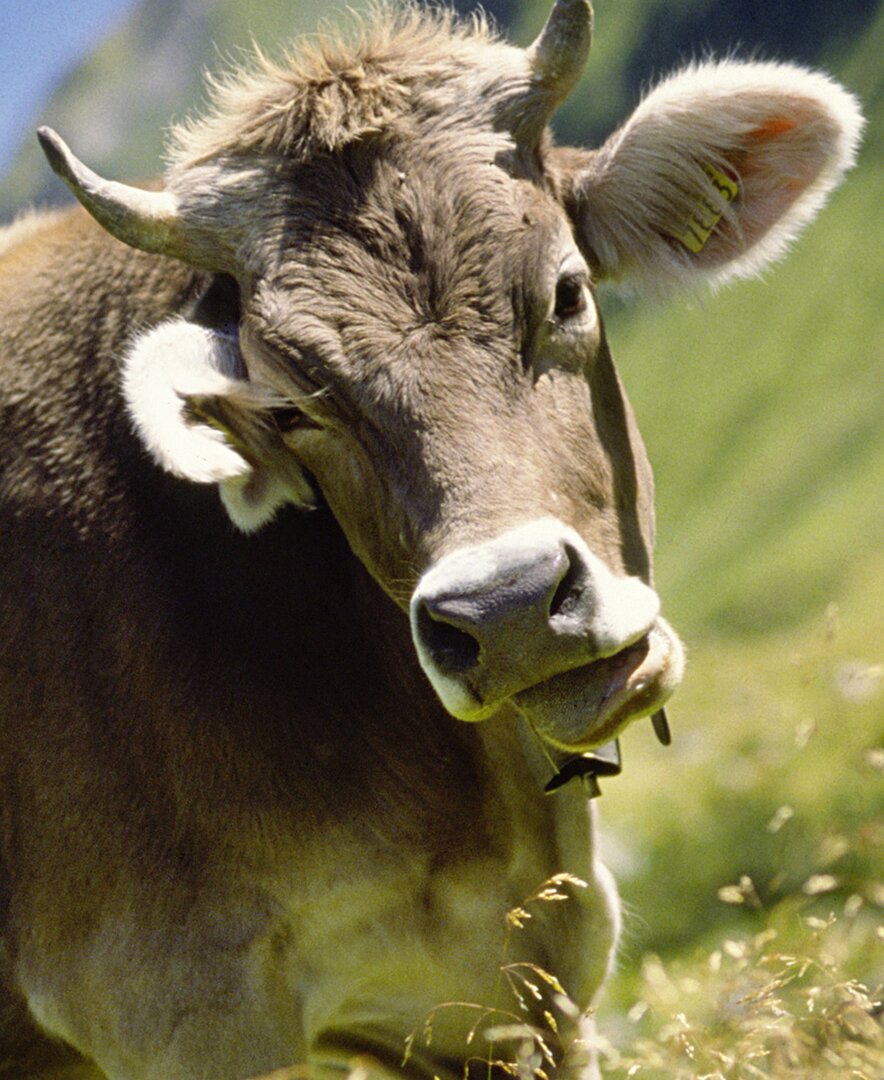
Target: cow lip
<point x="590" y="705"/>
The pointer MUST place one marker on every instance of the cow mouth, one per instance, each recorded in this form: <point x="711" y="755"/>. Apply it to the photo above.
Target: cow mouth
<point x="590" y="705"/>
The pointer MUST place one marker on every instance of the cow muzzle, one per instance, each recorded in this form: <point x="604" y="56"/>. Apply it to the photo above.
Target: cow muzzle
<point x="534" y="618"/>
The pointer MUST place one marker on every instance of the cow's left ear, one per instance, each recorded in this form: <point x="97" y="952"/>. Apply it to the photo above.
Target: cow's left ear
<point x="202" y="420"/>
<point x="713" y="175"/>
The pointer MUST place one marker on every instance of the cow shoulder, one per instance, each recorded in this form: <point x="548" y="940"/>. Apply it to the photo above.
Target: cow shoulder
<point x="71" y="298"/>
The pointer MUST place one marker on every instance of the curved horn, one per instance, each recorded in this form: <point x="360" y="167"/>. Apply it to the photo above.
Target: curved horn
<point x="559" y="54"/>
<point x="148" y="220"/>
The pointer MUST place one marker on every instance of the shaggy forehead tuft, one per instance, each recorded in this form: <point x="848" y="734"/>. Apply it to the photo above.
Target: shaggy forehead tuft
<point x="343" y="84"/>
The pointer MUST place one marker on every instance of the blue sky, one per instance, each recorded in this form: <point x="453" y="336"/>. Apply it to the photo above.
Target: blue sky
<point x="40" y="41"/>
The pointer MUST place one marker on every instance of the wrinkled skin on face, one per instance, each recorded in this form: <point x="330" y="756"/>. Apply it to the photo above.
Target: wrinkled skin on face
<point x="459" y="382"/>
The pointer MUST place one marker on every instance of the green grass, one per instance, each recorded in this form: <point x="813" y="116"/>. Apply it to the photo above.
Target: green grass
<point x="763" y="409"/>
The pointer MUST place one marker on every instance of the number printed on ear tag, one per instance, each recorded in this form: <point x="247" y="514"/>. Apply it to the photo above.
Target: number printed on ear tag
<point x="707" y="215"/>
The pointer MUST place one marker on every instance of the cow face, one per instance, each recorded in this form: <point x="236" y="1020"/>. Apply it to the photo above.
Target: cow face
<point x="403" y="318"/>
<point x="467" y="428"/>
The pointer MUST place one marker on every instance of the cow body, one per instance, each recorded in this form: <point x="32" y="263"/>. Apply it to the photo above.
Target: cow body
<point x="230" y="749"/>
<point x="243" y="821"/>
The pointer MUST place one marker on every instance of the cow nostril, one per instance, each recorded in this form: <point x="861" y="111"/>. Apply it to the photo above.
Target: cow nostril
<point x="570" y="587"/>
<point x="453" y="651"/>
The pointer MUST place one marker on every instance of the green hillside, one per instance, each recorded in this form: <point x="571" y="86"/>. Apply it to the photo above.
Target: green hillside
<point x="763" y="411"/>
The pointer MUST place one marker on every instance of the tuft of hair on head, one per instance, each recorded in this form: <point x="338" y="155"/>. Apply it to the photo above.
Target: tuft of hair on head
<point x="342" y="83"/>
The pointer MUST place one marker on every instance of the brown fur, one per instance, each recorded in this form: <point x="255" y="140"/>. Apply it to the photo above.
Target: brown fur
<point x="186" y="711"/>
<point x="237" y="827"/>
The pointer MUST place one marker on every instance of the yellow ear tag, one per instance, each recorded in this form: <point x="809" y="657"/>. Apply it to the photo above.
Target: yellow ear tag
<point x="702" y="222"/>
<point x="200" y="413"/>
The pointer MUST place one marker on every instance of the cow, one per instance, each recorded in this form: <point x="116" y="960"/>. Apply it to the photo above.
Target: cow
<point x="326" y="549"/>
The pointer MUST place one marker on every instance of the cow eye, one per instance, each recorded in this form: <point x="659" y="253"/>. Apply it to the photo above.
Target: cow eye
<point x="570" y="296"/>
<point x="291" y="418"/>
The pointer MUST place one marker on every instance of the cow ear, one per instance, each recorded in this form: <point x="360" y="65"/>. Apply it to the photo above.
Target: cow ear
<point x="201" y="419"/>
<point x="713" y="176"/>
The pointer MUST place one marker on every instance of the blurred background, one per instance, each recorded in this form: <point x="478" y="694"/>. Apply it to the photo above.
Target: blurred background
<point x="749" y="854"/>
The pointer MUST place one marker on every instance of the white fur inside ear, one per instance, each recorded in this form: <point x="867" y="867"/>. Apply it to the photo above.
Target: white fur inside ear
<point x="176" y="359"/>
<point x="252" y="501"/>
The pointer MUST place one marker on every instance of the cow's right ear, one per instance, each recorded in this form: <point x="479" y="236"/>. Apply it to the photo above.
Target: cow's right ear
<point x="164" y="370"/>
<point x="202" y="419"/>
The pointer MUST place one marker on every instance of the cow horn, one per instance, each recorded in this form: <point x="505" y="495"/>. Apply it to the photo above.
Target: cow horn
<point x="559" y="54"/>
<point x="148" y="220"/>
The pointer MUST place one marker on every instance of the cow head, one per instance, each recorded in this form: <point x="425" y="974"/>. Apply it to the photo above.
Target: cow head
<point x="403" y="317"/>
